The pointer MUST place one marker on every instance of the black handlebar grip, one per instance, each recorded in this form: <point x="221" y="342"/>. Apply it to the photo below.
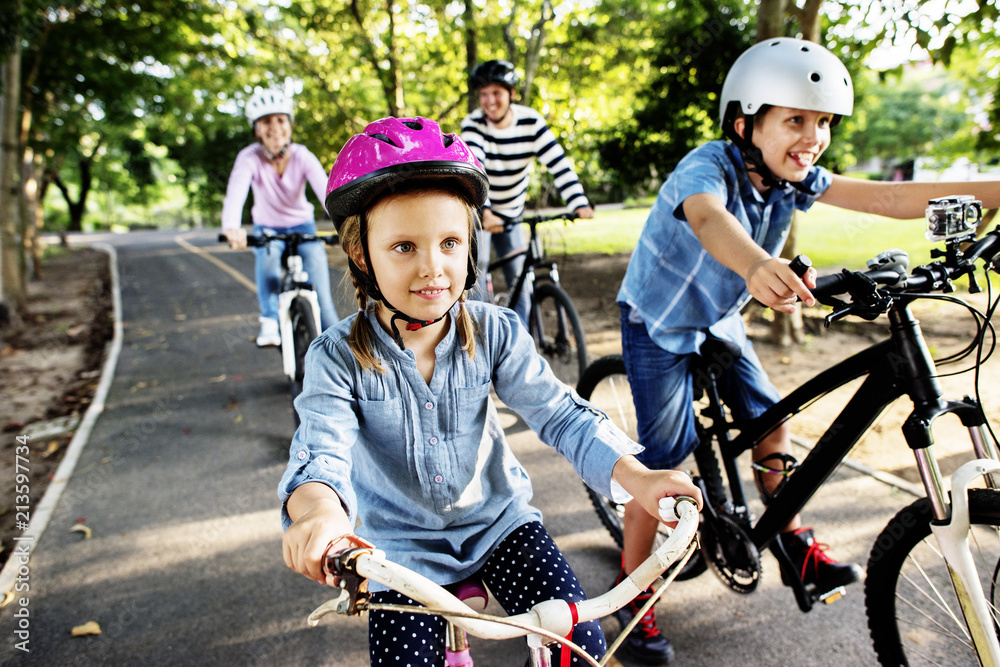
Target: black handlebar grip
<point x="800" y="264"/>
<point x="222" y="238"/>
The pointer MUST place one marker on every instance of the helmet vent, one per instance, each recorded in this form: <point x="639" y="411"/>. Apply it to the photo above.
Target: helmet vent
<point x="448" y="140"/>
<point x="382" y="137"/>
<point x="815" y="77"/>
<point x="413" y="125"/>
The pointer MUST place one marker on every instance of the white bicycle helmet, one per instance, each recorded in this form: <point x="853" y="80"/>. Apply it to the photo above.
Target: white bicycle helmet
<point x="265" y="102"/>
<point x="782" y="72"/>
<point x="786" y="72"/>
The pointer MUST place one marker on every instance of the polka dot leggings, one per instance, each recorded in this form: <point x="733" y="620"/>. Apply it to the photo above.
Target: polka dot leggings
<point x="525" y="569"/>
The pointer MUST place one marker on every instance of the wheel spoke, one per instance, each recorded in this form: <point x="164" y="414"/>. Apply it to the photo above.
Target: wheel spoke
<point x="913" y="612"/>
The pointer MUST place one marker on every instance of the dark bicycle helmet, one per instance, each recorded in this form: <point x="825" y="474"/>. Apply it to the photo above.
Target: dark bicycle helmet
<point x="401" y="152"/>
<point x="500" y="72"/>
<point x="783" y="72"/>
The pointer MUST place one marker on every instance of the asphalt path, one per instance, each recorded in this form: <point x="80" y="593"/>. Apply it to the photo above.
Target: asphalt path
<point x="177" y="486"/>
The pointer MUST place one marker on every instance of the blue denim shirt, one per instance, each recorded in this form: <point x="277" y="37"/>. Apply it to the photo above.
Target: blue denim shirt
<point x="425" y="469"/>
<point x="672" y="284"/>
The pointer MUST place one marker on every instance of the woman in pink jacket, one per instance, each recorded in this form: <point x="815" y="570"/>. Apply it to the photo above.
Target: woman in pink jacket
<point x="278" y="171"/>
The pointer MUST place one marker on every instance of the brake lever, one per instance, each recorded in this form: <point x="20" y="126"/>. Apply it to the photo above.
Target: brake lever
<point x="351" y="582"/>
<point x="837" y="315"/>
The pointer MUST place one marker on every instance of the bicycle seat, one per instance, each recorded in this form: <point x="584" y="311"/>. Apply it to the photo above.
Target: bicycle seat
<point x="717" y="349"/>
<point x="472" y="592"/>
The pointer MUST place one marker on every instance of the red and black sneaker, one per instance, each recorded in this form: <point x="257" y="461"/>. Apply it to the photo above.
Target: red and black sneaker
<point x="813" y="566"/>
<point x="645" y="645"/>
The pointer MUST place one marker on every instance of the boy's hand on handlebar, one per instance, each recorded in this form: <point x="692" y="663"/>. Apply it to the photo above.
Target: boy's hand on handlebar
<point x="774" y="284"/>
<point x="237" y="238"/>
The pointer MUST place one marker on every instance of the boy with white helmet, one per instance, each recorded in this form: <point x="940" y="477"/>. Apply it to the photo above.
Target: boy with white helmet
<point x="711" y="242"/>
<point x="278" y="171"/>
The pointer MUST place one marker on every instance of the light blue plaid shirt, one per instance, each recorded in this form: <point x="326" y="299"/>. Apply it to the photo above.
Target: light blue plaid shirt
<point x="426" y="468"/>
<point x="672" y="284"/>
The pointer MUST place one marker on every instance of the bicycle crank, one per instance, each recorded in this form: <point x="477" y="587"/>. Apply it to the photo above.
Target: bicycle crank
<point x="731" y="552"/>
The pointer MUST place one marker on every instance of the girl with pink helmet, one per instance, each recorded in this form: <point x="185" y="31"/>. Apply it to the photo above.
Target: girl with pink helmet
<point x="399" y="442"/>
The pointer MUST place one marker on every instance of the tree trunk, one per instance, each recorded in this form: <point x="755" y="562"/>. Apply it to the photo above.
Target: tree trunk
<point x="471" y="50"/>
<point x="30" y="209"/>
<point x="13" y="297"/>
<point x="390" y="89"/>
<point x="770" y="19"/>
<point x="533" y="50"/>
<point x="771" y="23"/>
<point x="79" y="207"/>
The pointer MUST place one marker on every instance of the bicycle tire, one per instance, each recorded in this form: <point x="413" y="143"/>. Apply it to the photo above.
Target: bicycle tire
<point x="605" y="384"/>
<point x="901" y="614"/>
<point x="303" y="333"/>
<point x="555" y="326"/>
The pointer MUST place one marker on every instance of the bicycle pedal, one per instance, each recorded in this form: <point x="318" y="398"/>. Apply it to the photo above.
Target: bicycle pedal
<point x="831" y="596"/>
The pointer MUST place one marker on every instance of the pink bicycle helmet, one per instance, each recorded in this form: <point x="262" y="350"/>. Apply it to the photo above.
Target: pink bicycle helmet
<point x="388" y="153"/>
<point x="391" y="151"/>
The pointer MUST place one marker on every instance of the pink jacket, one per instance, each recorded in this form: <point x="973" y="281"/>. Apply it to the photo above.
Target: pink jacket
<point x="278" y="201"/>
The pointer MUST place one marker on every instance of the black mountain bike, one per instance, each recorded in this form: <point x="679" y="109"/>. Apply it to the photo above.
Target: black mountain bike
<point x="552" y="318"/>
<point x="932" y="582"/>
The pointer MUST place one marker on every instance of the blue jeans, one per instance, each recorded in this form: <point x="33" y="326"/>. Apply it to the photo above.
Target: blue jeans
<point x="504" y="244"/>
<point x="663" y="393"/>
<point x="268" y="272"/>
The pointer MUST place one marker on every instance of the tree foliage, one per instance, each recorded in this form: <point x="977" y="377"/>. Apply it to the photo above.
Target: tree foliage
<point x="678" y="110"/>
<point x="629" y="86"/>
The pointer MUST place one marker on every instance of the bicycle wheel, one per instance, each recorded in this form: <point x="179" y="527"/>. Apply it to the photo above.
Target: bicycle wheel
<point x="303" y="333"/>
<point x="557" y="331"/>
<point x="605" y="384"/>
<point x="913" y="613"/>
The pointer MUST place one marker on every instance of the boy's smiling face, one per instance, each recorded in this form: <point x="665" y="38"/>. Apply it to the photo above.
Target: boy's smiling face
<point x="791" y="141"/>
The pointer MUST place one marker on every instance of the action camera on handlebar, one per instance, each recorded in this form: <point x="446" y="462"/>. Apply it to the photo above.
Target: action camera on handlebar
<point x="951" y="218"/>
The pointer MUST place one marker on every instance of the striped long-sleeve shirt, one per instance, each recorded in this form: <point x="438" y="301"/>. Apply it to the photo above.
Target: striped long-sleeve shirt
<point x="507" y="155"/>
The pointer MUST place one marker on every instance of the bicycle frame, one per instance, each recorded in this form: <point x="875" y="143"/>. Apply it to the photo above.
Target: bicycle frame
<point x="906" y="359"/>
<point x="901" y="365"/>
<point x="532" y="259"/>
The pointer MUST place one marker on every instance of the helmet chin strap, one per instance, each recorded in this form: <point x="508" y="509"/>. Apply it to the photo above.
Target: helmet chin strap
<point x="279" y="154"/>
<point x="753" y="158"/>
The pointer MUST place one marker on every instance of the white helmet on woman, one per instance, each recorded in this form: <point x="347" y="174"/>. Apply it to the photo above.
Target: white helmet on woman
<point x="266" y="102"/>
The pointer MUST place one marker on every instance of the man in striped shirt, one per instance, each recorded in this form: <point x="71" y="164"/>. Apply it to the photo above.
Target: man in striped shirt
<point x="507" y="138"/>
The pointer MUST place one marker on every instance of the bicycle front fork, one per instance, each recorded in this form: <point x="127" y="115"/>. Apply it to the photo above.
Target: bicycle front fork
<point x="953" y="540"/>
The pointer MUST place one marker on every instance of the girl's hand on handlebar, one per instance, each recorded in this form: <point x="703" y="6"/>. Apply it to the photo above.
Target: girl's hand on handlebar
<point x="237" y="238"/>
<point x="585" y="212"/>
<point x="649" y="486"/>
<point x="774" y="284"/>
<point x="306" y="541"/>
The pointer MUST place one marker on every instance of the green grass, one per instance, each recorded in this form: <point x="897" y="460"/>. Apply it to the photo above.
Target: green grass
<point x="831" y="237"/>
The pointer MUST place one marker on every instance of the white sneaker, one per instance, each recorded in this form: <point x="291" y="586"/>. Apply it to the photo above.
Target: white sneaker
<point x="269" y="335"/>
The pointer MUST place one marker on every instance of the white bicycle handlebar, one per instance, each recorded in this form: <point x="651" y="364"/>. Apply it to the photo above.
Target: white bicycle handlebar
<point x="554" y="616"/>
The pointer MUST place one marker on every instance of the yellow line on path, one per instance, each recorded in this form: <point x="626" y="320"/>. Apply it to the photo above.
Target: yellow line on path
<point x="239" y="277"/>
